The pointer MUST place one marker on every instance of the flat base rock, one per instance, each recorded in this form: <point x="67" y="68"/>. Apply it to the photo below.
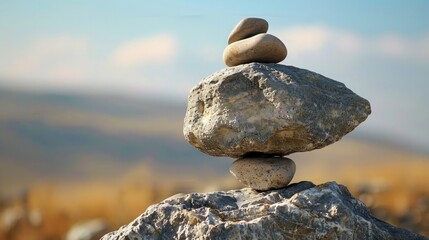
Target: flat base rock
<point x="299" y="211"/>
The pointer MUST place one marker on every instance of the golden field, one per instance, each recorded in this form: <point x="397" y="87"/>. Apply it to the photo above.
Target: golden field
<point x="393" y="183"/>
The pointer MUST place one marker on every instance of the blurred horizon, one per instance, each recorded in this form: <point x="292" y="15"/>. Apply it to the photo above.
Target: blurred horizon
<point x="78" y="98"/>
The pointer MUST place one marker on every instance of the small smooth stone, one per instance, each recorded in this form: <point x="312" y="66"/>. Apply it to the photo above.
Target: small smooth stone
<point x="264" y="173"/>
<point x="246" y="28"/>
<point x="263" y="47"/>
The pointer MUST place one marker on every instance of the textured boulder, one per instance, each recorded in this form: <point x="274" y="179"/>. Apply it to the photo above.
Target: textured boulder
<point x="300" y="211"/>
<point x="269" y="108"/>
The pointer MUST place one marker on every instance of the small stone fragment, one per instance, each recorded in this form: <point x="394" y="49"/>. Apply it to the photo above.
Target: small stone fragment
<point x="264" y="173"/>
<point x="263" y="47"/>
<point x="246" y="28"/>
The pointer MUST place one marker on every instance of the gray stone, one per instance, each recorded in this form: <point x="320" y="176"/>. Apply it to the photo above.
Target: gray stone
<point x="269" y="108"/>
<point x="263" y="47"/>
<point x="300" y="211"/>
<point x="246" y="28"/>
<point x="263" y="173"/>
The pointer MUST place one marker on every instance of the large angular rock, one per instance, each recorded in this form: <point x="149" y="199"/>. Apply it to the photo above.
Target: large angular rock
<point x="300" y="211"/>
<point x="269" y="108"/>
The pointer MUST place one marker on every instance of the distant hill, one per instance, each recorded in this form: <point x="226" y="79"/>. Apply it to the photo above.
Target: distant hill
<point x="51" y="136"/>
<point x="72" y="136"/>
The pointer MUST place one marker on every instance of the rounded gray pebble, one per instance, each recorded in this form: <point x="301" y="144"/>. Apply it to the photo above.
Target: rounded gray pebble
<point x="264" y="173"/>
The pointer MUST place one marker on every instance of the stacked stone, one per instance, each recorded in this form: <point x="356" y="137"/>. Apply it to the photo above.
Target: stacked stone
<point x="259" y="111"/>
<point x="249" y="42"/>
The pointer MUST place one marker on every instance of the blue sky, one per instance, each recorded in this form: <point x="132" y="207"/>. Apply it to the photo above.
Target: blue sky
<point x="379" y="49"/>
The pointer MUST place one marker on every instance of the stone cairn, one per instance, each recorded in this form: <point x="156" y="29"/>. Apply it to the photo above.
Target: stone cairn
<point x="259" y="111"/>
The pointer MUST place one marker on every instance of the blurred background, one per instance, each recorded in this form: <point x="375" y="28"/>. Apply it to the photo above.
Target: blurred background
<point x="93" y="95"/>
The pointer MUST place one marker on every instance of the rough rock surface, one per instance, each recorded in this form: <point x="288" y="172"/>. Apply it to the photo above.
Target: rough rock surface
<point x="269" y="108"/>
<point x="300" y="211"/>
<point x="263" y="173"/>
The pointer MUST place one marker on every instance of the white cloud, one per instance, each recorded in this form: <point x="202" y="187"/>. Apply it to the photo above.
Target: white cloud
<point x="393" y="46"/>
<point x="349" y="43"/>
<point x="424" y="47"/>
<point x="156" y="49"/>
<point x="67" y="62"/>
<point x="315" y="40"/>
<point x="60" y="60"/>
<point x="209" y="52"/>
<point x="310" y="40"/>
<point x="305" y="39"/>
<point x="414" y="49"/>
